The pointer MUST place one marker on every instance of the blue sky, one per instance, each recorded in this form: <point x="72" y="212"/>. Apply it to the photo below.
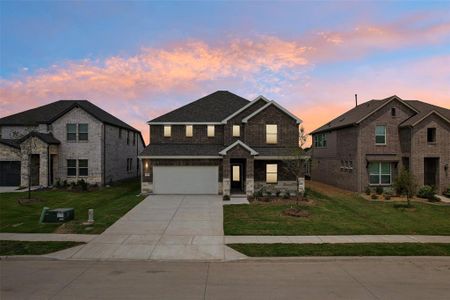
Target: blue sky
<point x="299" y="53"/>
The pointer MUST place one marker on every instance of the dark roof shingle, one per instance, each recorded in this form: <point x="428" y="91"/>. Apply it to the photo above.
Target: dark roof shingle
<point x="211" y="108"/>
<point x="48" y="113"/>
<point x="45" y="137"/>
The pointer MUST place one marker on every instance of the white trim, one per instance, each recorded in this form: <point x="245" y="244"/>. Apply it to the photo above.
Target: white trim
<point x="303" y="157"/>
<point x="395" y="97"/>
<point x="245" y="120"/>
<point x="178" y="157"/>
<point x="429" y="114"/>
<point x="260" y="97"/>
<point x="184" y="123"/>
<point x="238" y="142"/>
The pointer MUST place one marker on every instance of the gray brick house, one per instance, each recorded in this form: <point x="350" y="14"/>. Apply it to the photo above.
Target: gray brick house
<point x="67" y="140"/>
<point x="221" y="144"/>
<point x="371" y="143"/>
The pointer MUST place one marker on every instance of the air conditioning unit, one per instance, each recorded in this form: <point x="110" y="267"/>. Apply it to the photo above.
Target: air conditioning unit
<point x="59" y="215"/>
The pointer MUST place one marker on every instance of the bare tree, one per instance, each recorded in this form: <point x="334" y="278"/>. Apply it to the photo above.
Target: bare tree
<point x="406" y="184"/>
<point x="302" y="137"/>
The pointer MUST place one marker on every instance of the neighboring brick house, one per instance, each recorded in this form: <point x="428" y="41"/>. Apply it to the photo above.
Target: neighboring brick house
<point x="222" y="144"/>
<point x="371" y="143"/>
<point x="67" y="140"/>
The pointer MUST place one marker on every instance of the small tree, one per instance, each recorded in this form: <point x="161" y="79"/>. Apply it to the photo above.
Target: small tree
<point x="406" y="184"/>
<point x="302" y="136"/>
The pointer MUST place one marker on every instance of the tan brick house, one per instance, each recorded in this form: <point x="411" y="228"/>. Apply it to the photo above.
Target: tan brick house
<point x="371" y="143"/>
<point x="67" y="140"/>
<point x="221" y="144"/>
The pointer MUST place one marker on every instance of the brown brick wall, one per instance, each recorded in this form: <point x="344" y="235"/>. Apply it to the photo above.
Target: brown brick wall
<point x="283" y="172"/>
<point x="179" y="135"/>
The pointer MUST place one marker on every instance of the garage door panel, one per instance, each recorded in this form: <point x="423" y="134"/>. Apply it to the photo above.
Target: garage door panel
<point x="9" y="173"/>
<point x="186" y="179"/>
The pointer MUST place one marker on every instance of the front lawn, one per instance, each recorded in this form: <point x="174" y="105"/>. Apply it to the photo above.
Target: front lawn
<point x="363" y="249"/>
<point x="33" y="248"/>
<point x="109" y="205"/>
<point x="339" y="214"/>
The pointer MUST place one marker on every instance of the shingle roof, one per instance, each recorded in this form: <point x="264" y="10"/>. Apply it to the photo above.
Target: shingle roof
<point x="10" y="143"/>
<point x="181" y="150"/>
<point x="45" y="137"/>
<point x="211" y="108"/>
<point x="48" y="113"/>
<point x="353" y="116"/>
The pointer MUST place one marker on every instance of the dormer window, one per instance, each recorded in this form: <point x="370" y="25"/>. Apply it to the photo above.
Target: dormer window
<point x="271" y="133"/>
<point x="189" y="131"/>
<point x="167" y="131"/>
<point x="211" y="130"/>
<point x="236" y="130"/>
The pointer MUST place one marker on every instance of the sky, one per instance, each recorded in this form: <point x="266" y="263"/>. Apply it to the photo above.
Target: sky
<point x="140" y="59"/>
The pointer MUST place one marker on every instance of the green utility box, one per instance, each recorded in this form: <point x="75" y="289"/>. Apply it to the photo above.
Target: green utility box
<point x="59" y="215"/>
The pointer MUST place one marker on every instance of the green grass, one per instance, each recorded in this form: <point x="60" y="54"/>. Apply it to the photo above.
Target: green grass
<point x="337" y="215"/>
<point x="365" y="249"/>
<point x="33" y="248"/>
<point x="109" y="204"/>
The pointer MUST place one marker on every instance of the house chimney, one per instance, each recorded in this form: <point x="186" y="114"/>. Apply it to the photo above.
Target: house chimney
<point x="356" y="99"/>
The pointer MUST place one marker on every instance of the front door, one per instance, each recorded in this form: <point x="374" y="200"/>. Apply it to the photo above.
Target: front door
<point x="34" y="169"/>
<point x="237" y="182"/>
<point x="431" y="171"/>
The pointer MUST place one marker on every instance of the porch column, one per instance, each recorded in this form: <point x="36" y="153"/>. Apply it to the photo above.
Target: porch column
<point x="226" y="175"/>
<point x="250" y="182"/>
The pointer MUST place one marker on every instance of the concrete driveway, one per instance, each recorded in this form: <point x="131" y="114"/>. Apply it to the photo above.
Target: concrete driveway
<point x="163" y="227"/>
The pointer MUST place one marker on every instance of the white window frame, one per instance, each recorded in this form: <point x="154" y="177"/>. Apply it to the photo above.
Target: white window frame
<point x="189" y="131"/>
<point x="71" y="132"/>
<point x="236" y="130"/>
<point x="271" y="169"/>
<point x="380" y="174"/>
<point x="73" y="167"/>
<point x="385" y="135"/>
<point x="211" y="130"/>
<point x="271" y="135"/>
<point x="87" y="168"/>
<point x="167" y="130"/>
<point x="79" y="132"/>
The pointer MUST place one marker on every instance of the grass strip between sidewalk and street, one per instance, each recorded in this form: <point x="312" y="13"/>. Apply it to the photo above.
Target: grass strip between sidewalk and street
<point x="353" y="249"/>
<point x="33" y="248"/>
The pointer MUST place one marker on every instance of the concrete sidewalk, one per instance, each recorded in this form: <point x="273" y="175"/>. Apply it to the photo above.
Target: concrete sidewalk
<point x="47" y="237"/>
<point x="336" y="239"/>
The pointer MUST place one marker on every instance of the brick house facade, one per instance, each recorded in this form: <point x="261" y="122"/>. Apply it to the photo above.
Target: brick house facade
<point x="236" y="157"/>
<point x="51" y="139"/>
<point x="368" y="145"/>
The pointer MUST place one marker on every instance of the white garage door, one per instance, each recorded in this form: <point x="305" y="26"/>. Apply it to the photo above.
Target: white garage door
<point x="186" y="180"/>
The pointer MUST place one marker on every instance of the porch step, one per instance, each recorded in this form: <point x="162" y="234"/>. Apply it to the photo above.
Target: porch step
<point x="238" y="196"/>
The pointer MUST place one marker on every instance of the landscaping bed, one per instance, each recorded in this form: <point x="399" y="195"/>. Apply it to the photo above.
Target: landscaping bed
<point x="340" y="213"/>
<point x="17" y="214"/>
<point x="33" y="248"/>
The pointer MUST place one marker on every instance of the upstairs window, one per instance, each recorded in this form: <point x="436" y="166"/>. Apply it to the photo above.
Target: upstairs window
<point x="271" y="133"/>
<point x="380" y="135"/>
<point x="431" y="135"/>
<point x="236" y="130"/>
<point x="320" y="140"/>
<point x="271" y="173"/>
<point x="129" y="165"/>
<point x="82" y="167"/>
<point x="134" y="138"/>
<point x="167" y="131"/>
<point x="83" y="132"/>
<point x="128" y="137"/>
<point x="189" y="131"/>
<point x="71" y="132"/>
<point x="393" y="112"/>
<point x="211" y="130"/>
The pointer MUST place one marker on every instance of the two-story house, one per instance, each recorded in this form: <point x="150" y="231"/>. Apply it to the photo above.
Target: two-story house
<point x="368" y="145"/>
<point x="67" y="140"/>
<point x="221" y="144"/>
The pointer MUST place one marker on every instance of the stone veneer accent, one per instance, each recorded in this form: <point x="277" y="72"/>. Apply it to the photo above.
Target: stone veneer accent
<point x="283" y="186"/>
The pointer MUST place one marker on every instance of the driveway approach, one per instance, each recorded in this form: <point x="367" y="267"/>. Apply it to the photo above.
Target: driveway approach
<point x="163" y="227"/>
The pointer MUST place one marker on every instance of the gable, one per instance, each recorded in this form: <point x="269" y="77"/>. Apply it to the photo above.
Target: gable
<point x="272" y="107"/>
<point x="248" y="109"/>
<point x="239" y="147"/>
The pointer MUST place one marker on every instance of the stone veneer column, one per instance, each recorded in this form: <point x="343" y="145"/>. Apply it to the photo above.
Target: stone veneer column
<point x="226" y="176"/>
<point x="250" y="182"/>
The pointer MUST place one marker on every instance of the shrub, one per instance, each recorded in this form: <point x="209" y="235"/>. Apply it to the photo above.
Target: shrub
<point x="258" y="194"/>
<point x="374" y="196"/>
<point x="286" y="195"/>
<point x="379" y="190"/>
<point x="427" y="192"/>
<point x="65" y="183"/>
<point x="368" y="192"/>
<point x="250" y="198"/>
<point x="83" y="184"/>
<point x="387" y="196"/>
<point x="226" y="197"/>
<point x="277" y="193"/>
<point x="447" y="193"/>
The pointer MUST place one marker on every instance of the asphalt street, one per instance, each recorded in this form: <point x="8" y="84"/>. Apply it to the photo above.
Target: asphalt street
<point x="359" y="278"/>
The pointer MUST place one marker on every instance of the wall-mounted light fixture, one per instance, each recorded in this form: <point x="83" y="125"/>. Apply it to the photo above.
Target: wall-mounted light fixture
<point x="146" y="165"/>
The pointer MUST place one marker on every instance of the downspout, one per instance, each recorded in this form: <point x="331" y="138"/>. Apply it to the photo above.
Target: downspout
<point x="104" y="155"/>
